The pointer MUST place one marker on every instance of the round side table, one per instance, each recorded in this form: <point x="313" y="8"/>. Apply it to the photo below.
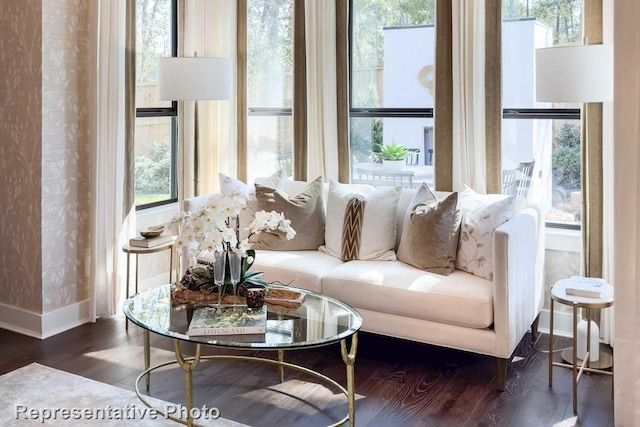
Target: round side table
<point x="559" y="294"/>
<point x="137" y="251"/>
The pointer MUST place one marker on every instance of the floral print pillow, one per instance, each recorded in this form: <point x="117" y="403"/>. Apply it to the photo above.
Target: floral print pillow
<point x="481" y="215"/>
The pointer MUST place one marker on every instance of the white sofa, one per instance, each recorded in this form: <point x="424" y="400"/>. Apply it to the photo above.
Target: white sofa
<point x="459" y="311"/>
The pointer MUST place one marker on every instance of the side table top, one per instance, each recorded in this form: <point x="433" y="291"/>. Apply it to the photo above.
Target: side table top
<point x="558" y="293"/>
<point x="140" y="250"/>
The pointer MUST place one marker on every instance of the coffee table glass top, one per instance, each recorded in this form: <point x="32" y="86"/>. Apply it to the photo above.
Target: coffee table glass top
<point x="320" y="320"/>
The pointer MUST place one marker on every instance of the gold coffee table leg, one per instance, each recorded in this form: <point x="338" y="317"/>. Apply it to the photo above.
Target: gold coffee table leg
<point x="147" y="356"/>
<point x="349" y="358"/>
<point x="187" y="366"/>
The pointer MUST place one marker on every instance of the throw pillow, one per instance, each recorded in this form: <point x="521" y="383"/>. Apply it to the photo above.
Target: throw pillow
<point x="230" y="186"/>
<point x="306" y="212"/>
<point x="481" y="215"/>
<point x="361" y="225"/>
<point x="430" y="234"/>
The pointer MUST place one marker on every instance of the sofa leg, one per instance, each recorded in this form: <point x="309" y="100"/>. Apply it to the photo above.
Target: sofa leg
<point x="534" y="328"/>
<point x="501" y="372"/>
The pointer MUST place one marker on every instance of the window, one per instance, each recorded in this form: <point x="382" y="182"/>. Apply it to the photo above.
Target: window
<point x="269" y="87"/>
<point x="156" y="138"/>
<point x="543" y="134"/>
<point x="392" y="44"/>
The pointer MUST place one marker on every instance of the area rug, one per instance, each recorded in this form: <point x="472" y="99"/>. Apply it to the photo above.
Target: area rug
<point x="37" y="394"/>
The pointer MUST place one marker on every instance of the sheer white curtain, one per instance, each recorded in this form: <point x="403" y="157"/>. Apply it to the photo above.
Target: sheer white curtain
<point x="468" y="36"/>
<point x="322" y="114"/>
<point x="608" y="218"/>
<point x="111" y="225"/>
<point x="210" y="30"/>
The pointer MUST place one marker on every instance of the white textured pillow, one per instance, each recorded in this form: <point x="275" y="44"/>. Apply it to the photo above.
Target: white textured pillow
<point x="378" y="222"/>
<point x="481" y="215"/>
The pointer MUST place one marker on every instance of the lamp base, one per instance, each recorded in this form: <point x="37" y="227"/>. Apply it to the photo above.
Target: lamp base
<point x="604" y="362"/>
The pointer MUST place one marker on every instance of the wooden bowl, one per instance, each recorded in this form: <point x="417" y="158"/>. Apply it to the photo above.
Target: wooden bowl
<point x="153" y="231"/>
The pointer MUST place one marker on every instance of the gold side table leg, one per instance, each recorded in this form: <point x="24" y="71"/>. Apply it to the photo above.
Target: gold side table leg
<point x="187" y="367"/>
<point x="126" y="319"/>
<point x="575" y="359"/>
<point x="551" y="344"/>
<point x="281" y="368"/>
<point x="147" y="356"/>
<point x="349" y="359"/>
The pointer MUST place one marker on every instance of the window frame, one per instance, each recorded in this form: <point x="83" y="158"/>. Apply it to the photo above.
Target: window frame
<point x="171" y="111"/>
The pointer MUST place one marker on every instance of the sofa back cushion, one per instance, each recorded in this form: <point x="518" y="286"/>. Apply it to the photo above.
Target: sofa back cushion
<point x="306" y="212"/>
<point x="361" y="226"/>
<point x="430" y="235"/>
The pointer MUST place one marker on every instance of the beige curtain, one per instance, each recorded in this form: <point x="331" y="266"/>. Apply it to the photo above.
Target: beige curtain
<point x="112" y="212"/>
<point x="468" y="38"/>
<point x="322" y="119"/>
<point x="626" y="212"/>
<point x="342" y="87"/>
<point x="443" y="109"/>
<point x="210" y="30"/>
<point x="299" y="91"/>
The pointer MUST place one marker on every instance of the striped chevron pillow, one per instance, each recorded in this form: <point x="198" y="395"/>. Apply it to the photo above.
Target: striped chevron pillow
<point x="361" y="225"/>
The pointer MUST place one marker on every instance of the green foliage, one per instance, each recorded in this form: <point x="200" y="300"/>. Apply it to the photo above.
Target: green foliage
<point x="566" y="157"/>
<point x="153" y="37"/>
<point x="371" y="16"/>
<point x="153" y="172"/>
<point x="563" y="16"/>
<point x="393" y="151"/>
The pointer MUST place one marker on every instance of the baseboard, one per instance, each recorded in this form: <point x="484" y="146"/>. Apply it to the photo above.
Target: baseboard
<point x="45" y="325"/>
<point x="21" y="321"/>
<point x="562" y="323"/>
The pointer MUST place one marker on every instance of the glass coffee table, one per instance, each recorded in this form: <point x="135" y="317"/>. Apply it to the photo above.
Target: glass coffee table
<point x="318" y="321"/>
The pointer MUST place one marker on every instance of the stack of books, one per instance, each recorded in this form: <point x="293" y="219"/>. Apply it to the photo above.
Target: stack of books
<point x="227" y="320"/>
<point x="143" y="242"/>
<point x="589" y="287"/>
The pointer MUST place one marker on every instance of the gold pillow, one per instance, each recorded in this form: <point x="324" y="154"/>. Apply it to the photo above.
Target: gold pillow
<point x="306" y="212"/>
<point x="430" y="234"/>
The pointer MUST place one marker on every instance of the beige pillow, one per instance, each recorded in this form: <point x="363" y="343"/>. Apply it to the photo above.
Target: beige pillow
<point x="430" y="233"/>
<point x="306" y="212"/>
<point x="361" y="223"/>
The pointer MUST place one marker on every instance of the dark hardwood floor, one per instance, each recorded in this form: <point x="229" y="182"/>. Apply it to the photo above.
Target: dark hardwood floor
<point x="398" y="383"/>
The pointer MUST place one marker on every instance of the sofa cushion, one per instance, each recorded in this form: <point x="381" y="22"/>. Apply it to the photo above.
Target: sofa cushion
<point x="481" y="215"/>
<point x="361" y="226"/>
<point x="306" y="212"/>
<point x="397" y="288"/>
<point x="304" y="268"/>
<point x="430" y="235"/>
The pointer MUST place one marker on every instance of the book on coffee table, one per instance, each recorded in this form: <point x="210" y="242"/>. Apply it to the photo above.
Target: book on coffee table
<point x="227" y="320"/>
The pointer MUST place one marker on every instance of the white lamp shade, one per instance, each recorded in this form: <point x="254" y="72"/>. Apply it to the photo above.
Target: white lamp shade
<point x="574" y="74"/>
<point x="198" y="78"/>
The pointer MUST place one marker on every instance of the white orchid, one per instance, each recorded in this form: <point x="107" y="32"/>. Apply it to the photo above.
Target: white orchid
<point x="214" y="227"/>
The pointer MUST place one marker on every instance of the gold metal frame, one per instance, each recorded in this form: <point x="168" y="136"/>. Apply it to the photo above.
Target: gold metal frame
<point x="189" y="364"/>
<point x="577" y="370"/>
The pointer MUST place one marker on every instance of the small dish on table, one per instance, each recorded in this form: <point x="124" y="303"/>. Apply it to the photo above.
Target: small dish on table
<point x="153" y="231"/>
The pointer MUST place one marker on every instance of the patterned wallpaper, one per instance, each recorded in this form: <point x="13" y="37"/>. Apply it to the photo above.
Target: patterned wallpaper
<point x="66" y="152"/>
<point x="20" y="154"/>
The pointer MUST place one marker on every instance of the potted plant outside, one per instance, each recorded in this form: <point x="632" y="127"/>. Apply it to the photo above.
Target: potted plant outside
<point x="393" y="156"/>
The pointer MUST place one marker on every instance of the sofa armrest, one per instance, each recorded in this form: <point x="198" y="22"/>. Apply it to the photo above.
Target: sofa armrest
<point x="518" y="279"/>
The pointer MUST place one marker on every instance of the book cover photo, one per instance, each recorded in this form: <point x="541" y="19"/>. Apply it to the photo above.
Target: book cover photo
<point x="227" y="320"/>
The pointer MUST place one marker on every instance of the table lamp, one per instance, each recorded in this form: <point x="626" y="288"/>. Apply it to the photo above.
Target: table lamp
<point x="581" y="73"/>
<point x="194" y="79"/>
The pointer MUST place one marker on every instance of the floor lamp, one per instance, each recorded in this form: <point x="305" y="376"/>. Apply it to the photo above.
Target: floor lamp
<point x="582" y="73"/>
<point x="194" y="79"/>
